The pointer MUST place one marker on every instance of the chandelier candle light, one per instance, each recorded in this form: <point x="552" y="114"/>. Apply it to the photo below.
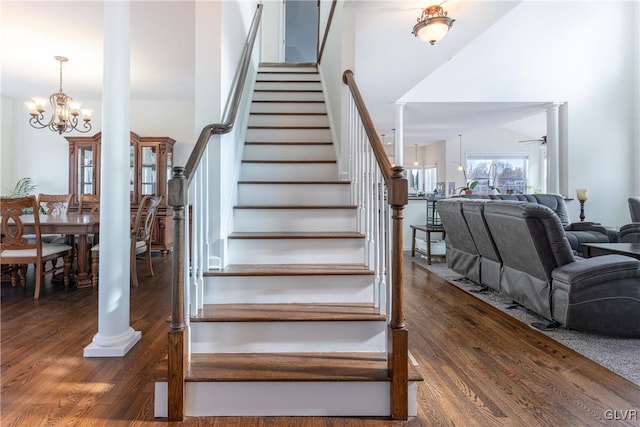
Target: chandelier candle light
<point x="432" y="25"/>
<point x="64" y="117"/>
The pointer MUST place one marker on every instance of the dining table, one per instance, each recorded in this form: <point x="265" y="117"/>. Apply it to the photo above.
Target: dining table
<point x="70" y="224"/>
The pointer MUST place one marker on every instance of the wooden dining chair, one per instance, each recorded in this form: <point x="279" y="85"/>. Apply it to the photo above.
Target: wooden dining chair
<point x="88" y="203"/>
<point x="141" y="230"/>
<point x="54" y="204"/>
<point x="16" y="249"/>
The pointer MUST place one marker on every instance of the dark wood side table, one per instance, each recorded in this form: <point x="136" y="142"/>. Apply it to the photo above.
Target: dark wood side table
<point x="428" y="229"/>
<point x="596" y="249"/>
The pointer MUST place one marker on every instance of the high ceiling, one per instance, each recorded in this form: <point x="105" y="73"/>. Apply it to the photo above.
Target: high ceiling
<point x="162" y="59"/>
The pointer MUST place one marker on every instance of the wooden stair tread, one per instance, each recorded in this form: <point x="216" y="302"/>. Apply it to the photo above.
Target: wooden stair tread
<point x="289" y="100"/>
<point x="287" y="143"/>
<point x="294" y="182"/>
<point x="236" y="367"/>
<point x="295" y="207"/>
<point x="292" y="312"/>
<point x="277" y="113"/>
<point x="289" y="90"/>
<point x="290" y="161"/>
<point x="296" y="235"/>
<point x="286" y="81"/>
<point x="301" y="127"/>
<point x="291" y="270"/>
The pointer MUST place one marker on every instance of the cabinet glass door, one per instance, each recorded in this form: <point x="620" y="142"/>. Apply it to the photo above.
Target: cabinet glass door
<point x="85" y="171"/>
<point x="149" y="170"/>
<point x="132" y="171"/>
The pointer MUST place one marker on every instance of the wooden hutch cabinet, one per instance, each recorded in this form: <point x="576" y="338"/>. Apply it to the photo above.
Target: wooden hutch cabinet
<point x="151" y="160"/>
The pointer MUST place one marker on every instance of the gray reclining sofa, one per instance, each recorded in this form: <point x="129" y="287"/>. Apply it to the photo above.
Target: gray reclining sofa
<point x="577" y="232"/>
<point x="630" y="233"/>
<point x="522" y="250"/>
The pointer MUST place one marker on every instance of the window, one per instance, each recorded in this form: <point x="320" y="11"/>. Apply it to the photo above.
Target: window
<point x="506" y="172"/>
<point x="421" y="181"/>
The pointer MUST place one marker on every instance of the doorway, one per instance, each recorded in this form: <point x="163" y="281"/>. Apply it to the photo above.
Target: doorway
<point x="301" y="31"/>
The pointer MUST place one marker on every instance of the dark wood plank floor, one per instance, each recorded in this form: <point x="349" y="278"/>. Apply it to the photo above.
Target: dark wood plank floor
<point x="481" y="368"/>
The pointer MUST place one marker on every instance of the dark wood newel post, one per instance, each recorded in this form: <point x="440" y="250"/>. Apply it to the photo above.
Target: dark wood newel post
<point x="399" y="360"/>
<point x="178" y="334"/>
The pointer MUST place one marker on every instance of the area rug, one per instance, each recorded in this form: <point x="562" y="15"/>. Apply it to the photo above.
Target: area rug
<point x="620" y="355"/>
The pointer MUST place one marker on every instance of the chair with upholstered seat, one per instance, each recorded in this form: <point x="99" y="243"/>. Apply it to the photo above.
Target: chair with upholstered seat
<point x="54" y="204"/>
<point x="630" y="233"/>
<point x="88" y="203"/>
<point x="140" y="239"/>
<point x="17" y="249"/>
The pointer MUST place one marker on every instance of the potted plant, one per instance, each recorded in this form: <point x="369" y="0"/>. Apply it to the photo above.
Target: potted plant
<point x="468" y="187"/>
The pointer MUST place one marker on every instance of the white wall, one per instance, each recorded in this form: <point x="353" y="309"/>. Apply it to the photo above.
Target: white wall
<point x="272" y="31"/>
<point x="567" y="60"/>
<point x="338" y="56"/>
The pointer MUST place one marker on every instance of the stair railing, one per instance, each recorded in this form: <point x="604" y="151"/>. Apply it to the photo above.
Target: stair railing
<point x="380" y="192"/>
<point x="178" y="199"/>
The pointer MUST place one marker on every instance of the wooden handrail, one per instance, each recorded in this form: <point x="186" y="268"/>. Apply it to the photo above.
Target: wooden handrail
<point x="326" y="29"/>
<point x="398" y="197"/>
<point x="178" y="198"/>
<point x="369" y="127"/>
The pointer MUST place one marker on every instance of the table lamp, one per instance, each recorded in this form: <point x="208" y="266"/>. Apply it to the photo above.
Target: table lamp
<point x="582" y="194"/>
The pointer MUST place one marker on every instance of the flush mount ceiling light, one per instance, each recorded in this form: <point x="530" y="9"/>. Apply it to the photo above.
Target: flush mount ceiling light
<point x="432" y="25"/>
<point x="65" y="111"/>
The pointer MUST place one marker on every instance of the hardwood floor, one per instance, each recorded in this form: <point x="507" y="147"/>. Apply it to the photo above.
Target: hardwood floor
<point x="480" y="366"/>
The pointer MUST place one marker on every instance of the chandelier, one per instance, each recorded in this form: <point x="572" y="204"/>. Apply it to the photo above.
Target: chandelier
<point x="432" y="25"/>
<point x="64" y="117"/>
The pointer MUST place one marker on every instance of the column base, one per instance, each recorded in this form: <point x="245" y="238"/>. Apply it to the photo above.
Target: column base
<point x="115" y="349"/>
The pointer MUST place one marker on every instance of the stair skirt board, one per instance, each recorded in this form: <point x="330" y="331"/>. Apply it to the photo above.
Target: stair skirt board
<point x="291" y="171"/>
<point x="295" y="220"/>
<point x="288" y="289"/>
<point x="288" y="337"/>
<point x="288" y="85"/>
<point x="296" y="251"/>
<point x="288" y="107"/>
<point x="288" y="96"/>
<point x="288" y="135"/>
<point x="332" y="398"/>
<point x="287" y="120"/>
<point x="291" y="151"/>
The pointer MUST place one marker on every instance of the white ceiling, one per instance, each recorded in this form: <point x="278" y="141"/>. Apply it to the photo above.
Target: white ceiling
<point x="162" y="60"/>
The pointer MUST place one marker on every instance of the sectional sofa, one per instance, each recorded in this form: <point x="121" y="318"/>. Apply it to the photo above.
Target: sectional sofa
<point x="522" y="250"/>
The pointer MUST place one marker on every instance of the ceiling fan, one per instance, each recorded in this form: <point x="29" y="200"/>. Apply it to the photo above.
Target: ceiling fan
<point x="542" y="140"/>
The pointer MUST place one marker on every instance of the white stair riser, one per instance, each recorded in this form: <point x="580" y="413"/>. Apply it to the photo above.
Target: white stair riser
<point x="288" y="152"/>
<point x="251" y="220"/>
<point x="293" y="194"/>
<point x="288" y="107"/>
<point x="296" y="251"/>
<point x="289" y="172"/>
<point x="286" y="85"/>
<point x="288" y="337"/>
<point x="288" y="96"/>
<point x="308" y="398"/>
<point x="288" y="135"/>
<point x="280" y="76"/>
<point x="287" y="120"/>
<point x="288" y="289"/>
<point x="288" y="71"/>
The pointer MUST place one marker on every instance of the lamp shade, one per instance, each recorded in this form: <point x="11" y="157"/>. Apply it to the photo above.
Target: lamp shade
<point x="434" y="31"/>
<point x="433" y="25"/>
<point x="582" y="194"/>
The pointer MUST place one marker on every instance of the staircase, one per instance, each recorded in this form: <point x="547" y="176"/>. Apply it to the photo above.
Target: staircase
<point x="291" y="326"/>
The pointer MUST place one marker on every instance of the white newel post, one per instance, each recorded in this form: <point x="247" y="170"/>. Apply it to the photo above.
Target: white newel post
<point x="563" y="148"/>
<point x="115" y="337"/>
